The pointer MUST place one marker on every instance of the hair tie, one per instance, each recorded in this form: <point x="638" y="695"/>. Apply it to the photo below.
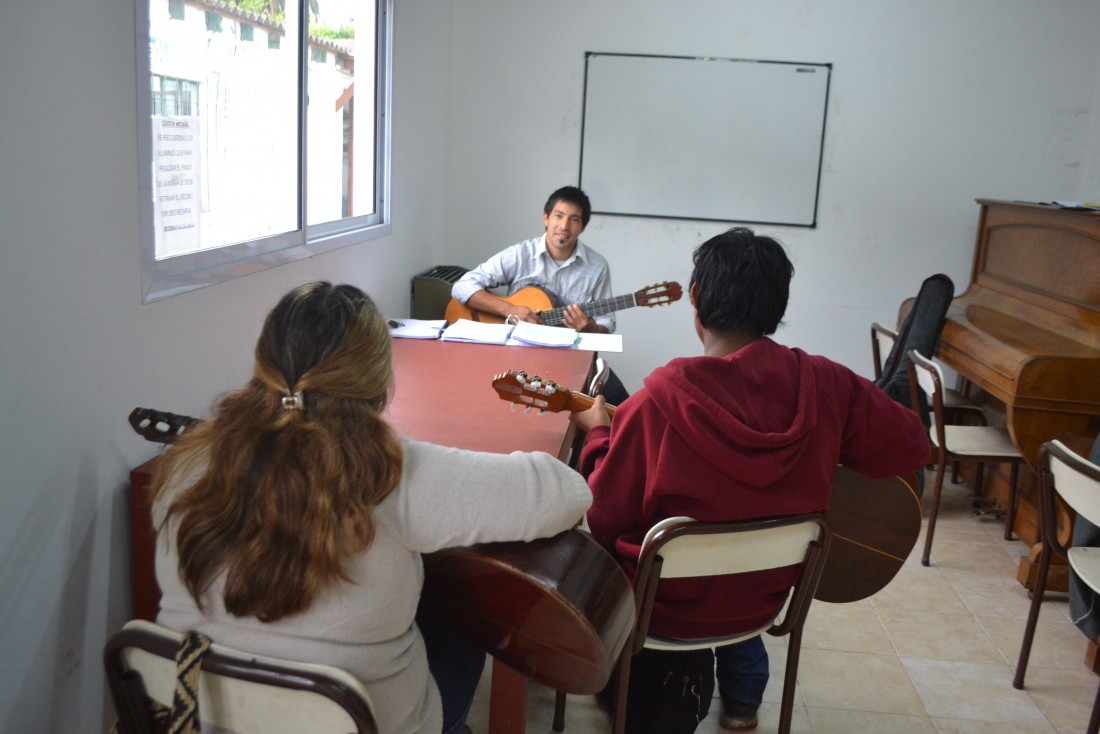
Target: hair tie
<point x="294" y="402"/>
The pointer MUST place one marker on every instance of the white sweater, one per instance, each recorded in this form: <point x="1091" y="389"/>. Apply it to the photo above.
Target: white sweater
<point x="447" y="497"/>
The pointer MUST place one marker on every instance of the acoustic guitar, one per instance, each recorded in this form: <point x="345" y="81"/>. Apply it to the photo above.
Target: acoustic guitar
<point x="875" y="522"/>
<point x="558" y="610"/>
<point x="551" y="309"/>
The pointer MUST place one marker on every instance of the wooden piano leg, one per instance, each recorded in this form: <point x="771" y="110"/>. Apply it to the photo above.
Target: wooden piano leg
<point x="1010" y="515"/>
<point x="1057" y="577"/>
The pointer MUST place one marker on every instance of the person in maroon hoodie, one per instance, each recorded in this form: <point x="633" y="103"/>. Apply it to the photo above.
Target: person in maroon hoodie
<point x="750" y="429"/>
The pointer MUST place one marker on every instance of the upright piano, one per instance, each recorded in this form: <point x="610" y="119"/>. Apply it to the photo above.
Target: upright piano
<point x="1025" y="333"/>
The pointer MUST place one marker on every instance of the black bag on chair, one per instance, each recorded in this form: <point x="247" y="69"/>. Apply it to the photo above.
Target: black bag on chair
<point x="921" y="331"/>
<point x="670" y="691"/>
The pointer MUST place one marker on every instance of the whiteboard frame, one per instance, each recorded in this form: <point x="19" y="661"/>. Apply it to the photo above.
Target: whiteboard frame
<point x="801" y="214"/>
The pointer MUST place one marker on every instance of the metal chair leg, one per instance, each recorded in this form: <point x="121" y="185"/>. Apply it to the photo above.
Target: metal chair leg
<point x="559" y="711"/>
<point x="941" y="468"/>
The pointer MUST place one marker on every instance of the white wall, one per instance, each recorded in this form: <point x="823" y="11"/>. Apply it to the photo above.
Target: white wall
<point x="79" y="350"/>
<point x="932" y="105"/>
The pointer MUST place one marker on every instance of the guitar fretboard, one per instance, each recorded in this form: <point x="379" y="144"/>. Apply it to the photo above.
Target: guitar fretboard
<point x="553" y="317"/>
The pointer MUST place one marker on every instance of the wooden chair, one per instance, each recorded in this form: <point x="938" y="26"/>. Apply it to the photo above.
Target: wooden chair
<point x="958" y="407"/>
<point x="1064" y="474"/>
<point x="238" y="692"/>
<point x="599" y="376"/>
<point x="680" y="547"/>
<point x="958" y="443"/>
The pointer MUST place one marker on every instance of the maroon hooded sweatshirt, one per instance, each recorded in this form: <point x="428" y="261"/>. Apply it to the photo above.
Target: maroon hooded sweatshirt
<point x="755" y="434"/>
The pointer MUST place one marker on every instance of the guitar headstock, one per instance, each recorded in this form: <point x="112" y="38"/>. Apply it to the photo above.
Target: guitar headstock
<point x="159" y="426"/>
<point x="532" y="391"/>
<point x="659" y="294"/>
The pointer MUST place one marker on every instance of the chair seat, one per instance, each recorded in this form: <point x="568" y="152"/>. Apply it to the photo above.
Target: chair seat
<point x="669" y="643"/>
<point x="978" y="441"/>
<point x="1085" y="561"/>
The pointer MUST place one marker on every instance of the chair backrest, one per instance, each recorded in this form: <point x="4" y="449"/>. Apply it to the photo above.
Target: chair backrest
<point x="681" y="547"/>
<point x="926" y="390"/>
<point x="1075" y="479"/>
<point x="599" y="377"/>
<point x="882" y="343"/>
<point x="238" y="692"/>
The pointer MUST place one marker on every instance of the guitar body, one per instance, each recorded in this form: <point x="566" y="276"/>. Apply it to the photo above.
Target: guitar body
<point x="559" y="610"/>
<point x="532" y="297"/>
<point x="876" y="523"/>
<point x="551" y="309"/>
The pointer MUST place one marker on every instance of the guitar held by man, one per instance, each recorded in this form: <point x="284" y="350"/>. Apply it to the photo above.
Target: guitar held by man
<point x="551" y="311"/>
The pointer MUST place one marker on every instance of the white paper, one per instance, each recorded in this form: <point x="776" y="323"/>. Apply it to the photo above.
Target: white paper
<point x="465" y="330"/>
<point x="416" y="328"/>
<point x="585" y="343"/>
<point x="592" y="342"/>
<point x="544" y="336"/>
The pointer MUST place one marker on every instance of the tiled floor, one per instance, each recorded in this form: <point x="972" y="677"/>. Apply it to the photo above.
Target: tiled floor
<point x="935" y="651"/>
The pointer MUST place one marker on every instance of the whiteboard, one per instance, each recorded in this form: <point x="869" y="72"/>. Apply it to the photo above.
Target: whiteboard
<point x="683" y="137"/>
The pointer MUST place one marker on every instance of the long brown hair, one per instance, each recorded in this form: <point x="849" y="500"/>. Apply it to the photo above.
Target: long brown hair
<point x="295" y="460"/>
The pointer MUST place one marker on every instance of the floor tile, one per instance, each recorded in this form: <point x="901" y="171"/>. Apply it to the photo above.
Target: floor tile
<point x="838" y="721"/>
<point x="857" y="681"/>
<point x="919" y="589"/>
<point x="978" y="691"/>
<point x="956" y="637"/>
<point x="1065" y="696"/>
<point x="1057" y="643"/>
<point x="845" y="627"/>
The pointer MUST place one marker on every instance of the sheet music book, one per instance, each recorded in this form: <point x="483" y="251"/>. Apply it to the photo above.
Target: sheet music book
<point x="544" y="336"/>
<point x="479" y="332"/>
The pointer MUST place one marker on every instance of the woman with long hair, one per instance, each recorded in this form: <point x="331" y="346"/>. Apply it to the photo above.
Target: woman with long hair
<point x="292" y="523"/>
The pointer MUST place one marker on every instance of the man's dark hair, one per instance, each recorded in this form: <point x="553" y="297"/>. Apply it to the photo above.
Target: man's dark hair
<point x="570" y="195"/>
<point x="743" y="281"/>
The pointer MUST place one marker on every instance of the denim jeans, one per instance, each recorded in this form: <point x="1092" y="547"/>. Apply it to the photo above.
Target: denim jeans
<point x="455" y="664"/>
<point x="742" y="673"/>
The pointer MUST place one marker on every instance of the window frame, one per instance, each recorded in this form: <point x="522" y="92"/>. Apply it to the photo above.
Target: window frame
<point x="184" y="273"/>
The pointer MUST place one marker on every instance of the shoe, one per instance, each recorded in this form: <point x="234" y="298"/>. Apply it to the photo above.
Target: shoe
<point x="737" y="718"/>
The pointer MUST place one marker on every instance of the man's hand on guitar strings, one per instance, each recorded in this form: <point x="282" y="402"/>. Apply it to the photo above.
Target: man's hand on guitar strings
<point x="574" y="318"/>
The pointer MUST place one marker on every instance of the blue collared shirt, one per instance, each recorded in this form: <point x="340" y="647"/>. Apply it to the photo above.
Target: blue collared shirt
<point x="584" y="277"/>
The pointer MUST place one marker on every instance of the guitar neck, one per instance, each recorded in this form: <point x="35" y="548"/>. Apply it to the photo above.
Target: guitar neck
<point x="578" y="401"/>
<point x="593" y="309"/>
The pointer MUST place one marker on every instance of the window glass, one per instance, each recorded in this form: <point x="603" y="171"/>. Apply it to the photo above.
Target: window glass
<point x="243" y="173"/>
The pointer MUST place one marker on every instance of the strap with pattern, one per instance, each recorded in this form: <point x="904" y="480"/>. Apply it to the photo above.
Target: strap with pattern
<point x="184" y="718"/>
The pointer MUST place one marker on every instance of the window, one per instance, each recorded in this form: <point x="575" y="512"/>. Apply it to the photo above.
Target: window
<point x="240" y="173"/>
<point x="175" y="9"/>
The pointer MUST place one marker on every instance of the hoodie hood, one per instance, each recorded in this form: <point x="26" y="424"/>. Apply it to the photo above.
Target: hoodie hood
<point x="751" y="422"/>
